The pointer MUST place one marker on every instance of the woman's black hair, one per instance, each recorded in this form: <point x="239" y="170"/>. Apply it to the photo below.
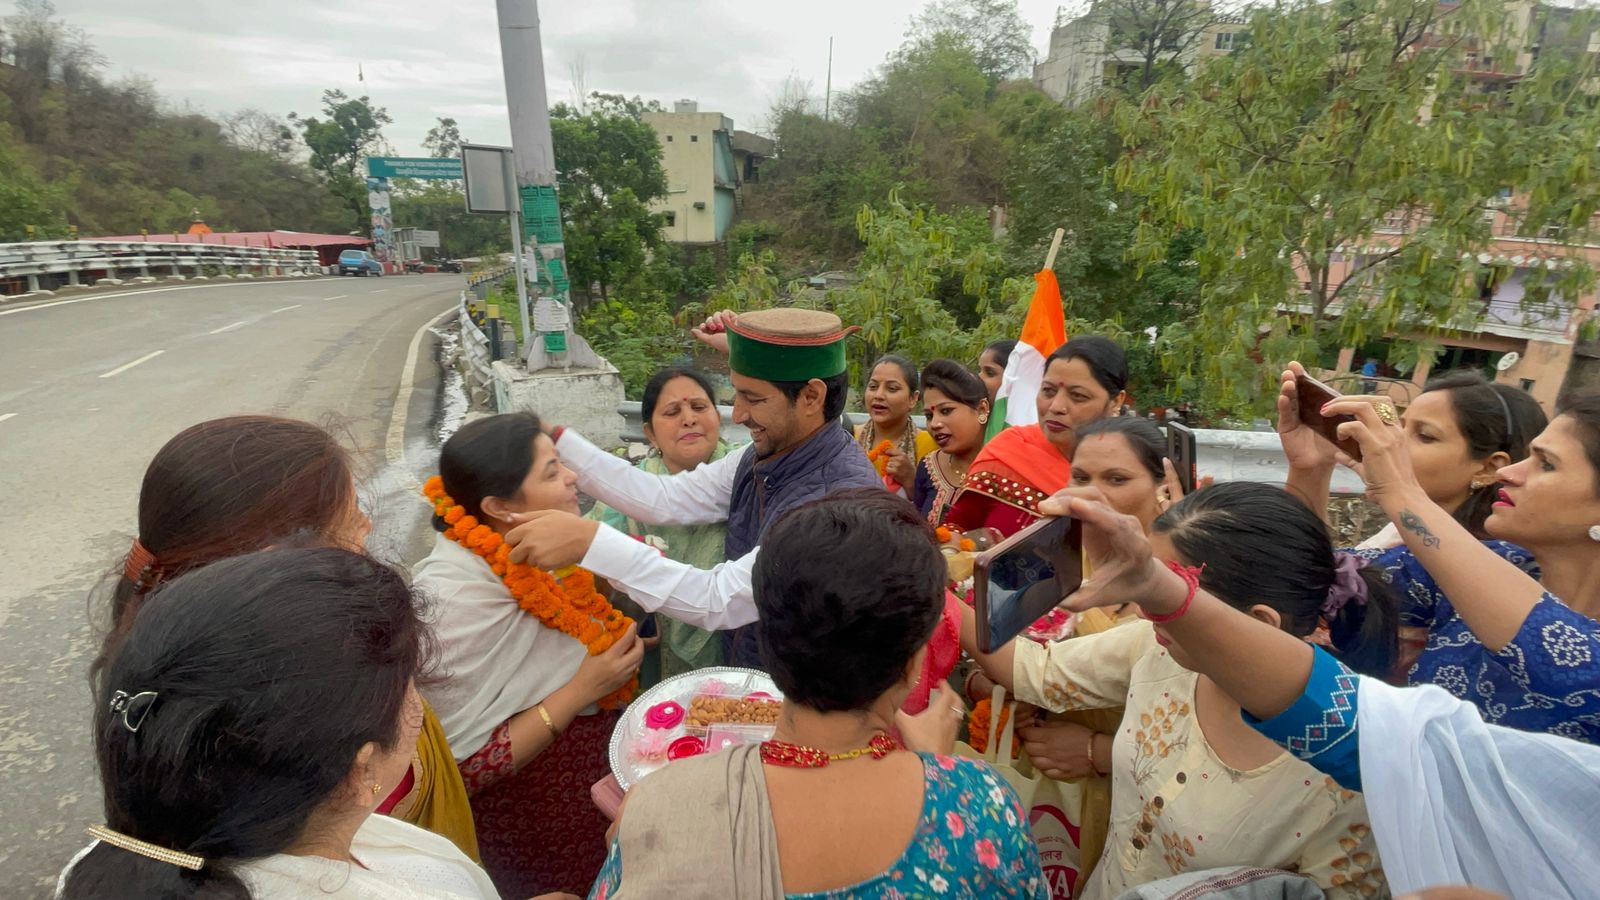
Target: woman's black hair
<point x="1584" y="410"/>
<point x="659" y="381"/>
<point x="838" y="626"/>
<point x="269" y="673"/>
<point x="955" y="381"/>
<point x="907" y="370"/>
<point x="1144" y="437"/>
<point x="1493" y="418"/>
<point x="1257" y="543"/>
<point x="487" y="458"/>
<point x="1107" y="361"/>
<point x="1001" y="350"/>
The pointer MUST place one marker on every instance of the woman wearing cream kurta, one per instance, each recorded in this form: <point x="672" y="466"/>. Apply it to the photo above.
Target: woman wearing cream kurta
<point x="1124" y="459"/>
<point x="1193" y="786"/>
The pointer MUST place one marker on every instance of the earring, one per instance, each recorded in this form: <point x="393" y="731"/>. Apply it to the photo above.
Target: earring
<point x="376" y="789"/>
<point x="1594" y="533"/>
<point x="1479" y="485"/>
<point x="983" y="419"/>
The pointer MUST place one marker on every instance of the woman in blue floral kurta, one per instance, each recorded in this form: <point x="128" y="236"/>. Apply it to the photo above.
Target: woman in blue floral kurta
<point x="972" y="842"/>
<point x="1546" y="679"/>
<point x="1519" y="641"/>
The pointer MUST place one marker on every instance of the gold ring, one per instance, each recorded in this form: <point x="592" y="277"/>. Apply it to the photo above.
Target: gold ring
<point x="959" y="710"/>
<point x="1387" y="412"/>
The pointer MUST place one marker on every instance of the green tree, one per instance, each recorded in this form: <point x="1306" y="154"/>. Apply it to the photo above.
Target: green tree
<point x="610" y="165"/>
<point x="444" y="139"/>
<point x="999" y="38"/>
<point x="1337" y="177"/>
<point x="340" y="141"/>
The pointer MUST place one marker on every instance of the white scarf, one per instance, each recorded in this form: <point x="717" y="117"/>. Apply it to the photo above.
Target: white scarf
<point x="1456" y="801"/>
<point x="495" y="660"/>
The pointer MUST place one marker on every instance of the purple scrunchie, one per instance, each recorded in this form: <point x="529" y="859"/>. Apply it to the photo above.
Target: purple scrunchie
<point x="1347" y="585"/>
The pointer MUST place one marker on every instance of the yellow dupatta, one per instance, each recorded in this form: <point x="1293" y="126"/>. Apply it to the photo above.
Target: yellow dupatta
<point x="437" y="800"/>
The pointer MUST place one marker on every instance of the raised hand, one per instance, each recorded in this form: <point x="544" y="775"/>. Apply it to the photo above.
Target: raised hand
<point x="713" y="332"/>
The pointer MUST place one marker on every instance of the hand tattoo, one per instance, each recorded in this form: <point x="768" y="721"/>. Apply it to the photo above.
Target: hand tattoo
<point x="1413" y="523"/>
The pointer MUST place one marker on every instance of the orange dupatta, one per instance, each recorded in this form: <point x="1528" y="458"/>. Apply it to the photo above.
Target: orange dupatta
<point x="1013" y="473"/>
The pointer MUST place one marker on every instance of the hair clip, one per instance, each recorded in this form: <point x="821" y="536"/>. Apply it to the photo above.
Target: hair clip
<point x="134" y="707"/>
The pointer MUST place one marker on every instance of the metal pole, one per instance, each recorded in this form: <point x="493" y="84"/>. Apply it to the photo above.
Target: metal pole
<point x="827" y="92"/>
<point x="522" y="57"/>
<point x="522" y="279"/>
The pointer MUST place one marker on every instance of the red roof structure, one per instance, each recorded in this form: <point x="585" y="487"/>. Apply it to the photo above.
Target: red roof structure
<point x="328" y="246"/>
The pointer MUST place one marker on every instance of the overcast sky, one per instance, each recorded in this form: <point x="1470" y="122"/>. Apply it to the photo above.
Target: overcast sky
<point x="428" y="58"/>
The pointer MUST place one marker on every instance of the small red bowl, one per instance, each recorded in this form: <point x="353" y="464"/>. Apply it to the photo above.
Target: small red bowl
<point x="685" y="747"/>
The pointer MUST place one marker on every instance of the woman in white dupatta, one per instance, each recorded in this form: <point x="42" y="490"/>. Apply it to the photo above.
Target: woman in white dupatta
<point x="1453" y="800"/>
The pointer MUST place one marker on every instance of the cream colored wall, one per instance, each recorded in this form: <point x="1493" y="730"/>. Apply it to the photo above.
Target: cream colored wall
<point x="691" y="172"/>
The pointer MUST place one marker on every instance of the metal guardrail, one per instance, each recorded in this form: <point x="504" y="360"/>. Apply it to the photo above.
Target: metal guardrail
<point x="477" y="354"/>
<point x="479" y="284"/>
<point x="1224" y="455"/>
<point x="73" y="260"/>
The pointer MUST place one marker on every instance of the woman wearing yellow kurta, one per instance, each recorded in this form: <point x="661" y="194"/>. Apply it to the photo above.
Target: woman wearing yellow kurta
<point x="892" y="393"/>
<point x="1193" y="786"/>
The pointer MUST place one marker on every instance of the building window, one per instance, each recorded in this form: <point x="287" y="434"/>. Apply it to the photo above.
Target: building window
<point x="671" y="218"/>
<point x="1225" y="41"/>
<point x="694" y="138"/>
<point x="669" y="138"/>
<point x="1527" y="385"/>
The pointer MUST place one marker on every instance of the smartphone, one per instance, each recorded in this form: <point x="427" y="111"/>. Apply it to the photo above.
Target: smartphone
<point x="1025" y="576"/>
<point x="1313" y="395"/>
<point x="1183" y="452"/>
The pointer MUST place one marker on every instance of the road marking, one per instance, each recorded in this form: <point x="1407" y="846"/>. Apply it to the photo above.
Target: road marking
<point x="143" y="359"/>
<point x="5" y="416"/>
<point x="191" y="287"/>
<point x="228" y="327"/>
<point x="286" y="308"/>
<point x="336" y="297"/>
<point x="379" y="291"/>
<point x="395" y="443"/>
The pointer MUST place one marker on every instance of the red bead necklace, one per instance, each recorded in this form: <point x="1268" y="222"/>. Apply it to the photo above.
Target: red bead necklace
<point x="797" y="756"/>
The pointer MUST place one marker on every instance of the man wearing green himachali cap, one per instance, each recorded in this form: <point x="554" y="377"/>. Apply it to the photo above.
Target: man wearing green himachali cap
<point x="789" y="377"/>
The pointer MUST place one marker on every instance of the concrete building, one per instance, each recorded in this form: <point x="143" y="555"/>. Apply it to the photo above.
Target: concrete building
<point x="706" y="162"/>
<point x="1095" y="49"/>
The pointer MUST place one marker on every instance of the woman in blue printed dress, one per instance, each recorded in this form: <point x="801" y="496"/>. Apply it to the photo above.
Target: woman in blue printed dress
<point x="1520" y="641"/>
<point x="832" y="806"/>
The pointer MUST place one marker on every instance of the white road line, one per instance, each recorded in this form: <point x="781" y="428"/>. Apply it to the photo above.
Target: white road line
<point x="336" y="297"/>
<point x="143" y="359"/>
<point x="378" y="291"/>
<point x="5" y="416"/>
<point x="227" y="327"/>
<point x="191" y="287"/>
<point x="395" y="443"/>
<point x="286" y="308"/>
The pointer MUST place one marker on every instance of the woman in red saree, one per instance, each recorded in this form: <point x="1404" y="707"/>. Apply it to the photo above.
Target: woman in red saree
<point x="1084" y="380"/>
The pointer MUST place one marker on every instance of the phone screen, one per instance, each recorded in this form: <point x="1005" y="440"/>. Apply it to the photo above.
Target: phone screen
<point x="1313" y="395"/>
<point x="1025" y="577"/>
<point x="1182" y="450"/>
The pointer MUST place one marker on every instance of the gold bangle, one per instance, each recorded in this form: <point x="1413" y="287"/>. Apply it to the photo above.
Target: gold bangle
<point x="548" y="722"/>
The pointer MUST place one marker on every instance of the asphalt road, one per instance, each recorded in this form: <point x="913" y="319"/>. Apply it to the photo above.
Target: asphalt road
<point x="90" y="388"/>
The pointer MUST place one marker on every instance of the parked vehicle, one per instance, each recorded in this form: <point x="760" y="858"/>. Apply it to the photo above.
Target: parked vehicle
<point x="451" y="265"/>
<point x="359" y="262"/>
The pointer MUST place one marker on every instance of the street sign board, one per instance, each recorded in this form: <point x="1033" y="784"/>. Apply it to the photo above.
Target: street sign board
<point x="444" y="169"/>
<point x="425" y="238"/>
<point x="491" y="184"/>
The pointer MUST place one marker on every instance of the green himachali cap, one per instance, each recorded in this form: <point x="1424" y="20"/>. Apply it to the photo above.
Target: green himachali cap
<point x="787" y="344"/>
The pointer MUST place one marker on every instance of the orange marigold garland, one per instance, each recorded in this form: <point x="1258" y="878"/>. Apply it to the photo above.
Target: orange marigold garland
<point x="566" y="600"/>
<point x="978" y="726"/>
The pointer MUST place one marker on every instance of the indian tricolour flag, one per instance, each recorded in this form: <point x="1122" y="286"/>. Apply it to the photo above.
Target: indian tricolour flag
<point x="1043" y="331"/>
